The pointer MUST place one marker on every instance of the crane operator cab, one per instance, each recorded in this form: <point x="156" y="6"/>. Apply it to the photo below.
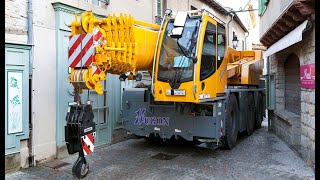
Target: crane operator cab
<point x="190" y="58"/>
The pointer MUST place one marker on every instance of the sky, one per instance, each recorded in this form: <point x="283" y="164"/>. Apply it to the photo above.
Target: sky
<point x="236" y="5"/>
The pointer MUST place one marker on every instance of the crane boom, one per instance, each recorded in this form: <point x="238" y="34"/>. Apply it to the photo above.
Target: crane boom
<point x="115" y="45"/>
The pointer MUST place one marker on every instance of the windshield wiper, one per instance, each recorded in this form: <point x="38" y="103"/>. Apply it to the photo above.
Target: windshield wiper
<point x="192" y="41"/>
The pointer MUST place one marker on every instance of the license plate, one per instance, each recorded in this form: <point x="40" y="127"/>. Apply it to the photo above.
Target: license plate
<point x="179" y="92"/>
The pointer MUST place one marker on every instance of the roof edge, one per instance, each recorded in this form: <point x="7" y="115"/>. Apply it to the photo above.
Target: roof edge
<point x="216" y="5"/>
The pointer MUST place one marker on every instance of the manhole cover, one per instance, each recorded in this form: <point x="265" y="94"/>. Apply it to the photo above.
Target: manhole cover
<point x="163" y="156"/>
<point x="56" y="164"/>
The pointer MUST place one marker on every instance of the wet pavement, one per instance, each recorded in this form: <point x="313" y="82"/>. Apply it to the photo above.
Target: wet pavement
<point x="259" y="156"/>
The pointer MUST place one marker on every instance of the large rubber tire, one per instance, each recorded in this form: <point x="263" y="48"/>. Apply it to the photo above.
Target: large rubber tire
<point x="259" y="111"/>
<point x="251" y="115"/>
<point x="232" y="117"/>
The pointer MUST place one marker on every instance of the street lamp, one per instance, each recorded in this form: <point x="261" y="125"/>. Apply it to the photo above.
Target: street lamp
<point x="235" y="42"/>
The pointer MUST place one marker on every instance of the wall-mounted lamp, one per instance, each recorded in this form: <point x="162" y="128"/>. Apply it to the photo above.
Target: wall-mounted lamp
<point x="235" y="42"/>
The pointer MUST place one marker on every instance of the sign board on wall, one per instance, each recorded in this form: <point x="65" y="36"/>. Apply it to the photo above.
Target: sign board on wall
<point x="307" y="76"/>
<point x="14" y="102"/>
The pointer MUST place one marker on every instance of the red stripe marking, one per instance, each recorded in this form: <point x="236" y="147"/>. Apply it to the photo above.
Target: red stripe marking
<point x="75" y="45"/>
<point x="85" y="147"/>
<point x="78" y="58"/>
<point x="97" y="36"/>
<point x="90" y="137"/>
<point x="70" y="37"/>
<point x="88" y="62"/>
<point x="97" y="71"/>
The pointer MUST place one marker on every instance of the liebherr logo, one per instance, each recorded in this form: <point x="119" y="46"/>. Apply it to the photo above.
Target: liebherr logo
<point x="141" y="119"/>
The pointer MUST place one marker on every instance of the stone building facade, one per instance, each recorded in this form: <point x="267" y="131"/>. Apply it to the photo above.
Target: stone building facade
<point x="291" y="105"/>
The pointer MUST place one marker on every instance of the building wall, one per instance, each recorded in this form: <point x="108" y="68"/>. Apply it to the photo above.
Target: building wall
<point x="296" y="130"/>
<point x="16" y="29"/>
<point x="44" y="76"/>
<point x="274" y="9"/>
<point x="16" y="25"/>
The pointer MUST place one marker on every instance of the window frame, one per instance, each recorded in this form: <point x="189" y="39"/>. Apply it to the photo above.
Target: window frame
<point x="90" y="1"/>
<point x="225" y="44"/>
<point x="215" y="64"/>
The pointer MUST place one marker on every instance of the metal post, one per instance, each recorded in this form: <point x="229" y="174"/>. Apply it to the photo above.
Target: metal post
<point x="268" y="81"/>
<point x="32" y="127"/>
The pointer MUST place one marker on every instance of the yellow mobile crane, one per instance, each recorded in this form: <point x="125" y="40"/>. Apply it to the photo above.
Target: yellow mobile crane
<point x="202" y="90"/>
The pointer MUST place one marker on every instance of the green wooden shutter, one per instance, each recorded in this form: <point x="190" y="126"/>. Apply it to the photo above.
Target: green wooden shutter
<point x="262" y="6"/>
<point x="16" y="96"/>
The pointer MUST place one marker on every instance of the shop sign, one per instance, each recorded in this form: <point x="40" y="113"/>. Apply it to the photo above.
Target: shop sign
<point x="307" y="76"/>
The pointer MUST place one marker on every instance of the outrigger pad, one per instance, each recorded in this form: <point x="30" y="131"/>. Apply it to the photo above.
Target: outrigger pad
<point x="80" y="125"/>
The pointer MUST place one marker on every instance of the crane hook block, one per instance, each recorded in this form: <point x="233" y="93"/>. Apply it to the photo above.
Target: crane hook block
<point x="80" y="129"/>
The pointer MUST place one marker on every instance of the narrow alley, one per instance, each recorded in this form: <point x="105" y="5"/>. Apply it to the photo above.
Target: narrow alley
<point x="259" y="156"/>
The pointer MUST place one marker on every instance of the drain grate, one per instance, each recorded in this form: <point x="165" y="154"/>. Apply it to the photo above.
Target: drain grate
<point x="163" y="156"/>
<point x="56" y="164"/>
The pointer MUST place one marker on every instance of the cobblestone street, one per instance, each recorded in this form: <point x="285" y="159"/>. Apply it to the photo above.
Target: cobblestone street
<point x="259" y="156"/>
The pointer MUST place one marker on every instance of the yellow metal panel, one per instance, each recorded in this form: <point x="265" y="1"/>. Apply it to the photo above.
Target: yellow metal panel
<point x="160" y="92"/>
<point x="142" y="23"/>
<point x="216" y="82"/>
<point x="145" y="45"/>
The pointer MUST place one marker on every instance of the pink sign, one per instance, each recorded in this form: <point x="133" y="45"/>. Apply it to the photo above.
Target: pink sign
<point x="307" y="76"/>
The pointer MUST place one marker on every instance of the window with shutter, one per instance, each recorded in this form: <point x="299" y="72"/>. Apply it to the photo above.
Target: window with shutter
<point x="262" y="6"/>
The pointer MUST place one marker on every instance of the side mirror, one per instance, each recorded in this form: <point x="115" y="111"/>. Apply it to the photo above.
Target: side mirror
<point x="194" y="59"/>
<point x="178" y="24"/>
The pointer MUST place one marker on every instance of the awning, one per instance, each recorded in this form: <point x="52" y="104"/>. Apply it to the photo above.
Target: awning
<point x="291" y="38"/>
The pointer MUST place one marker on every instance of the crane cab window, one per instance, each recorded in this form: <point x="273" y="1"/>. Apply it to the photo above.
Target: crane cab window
<point x="174" y="61"/>
<point x="209" y="51"/>
<point x="221" y="44"/>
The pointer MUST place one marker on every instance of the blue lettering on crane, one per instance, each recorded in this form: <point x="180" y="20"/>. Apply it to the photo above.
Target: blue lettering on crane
<point x="142" y="119"/>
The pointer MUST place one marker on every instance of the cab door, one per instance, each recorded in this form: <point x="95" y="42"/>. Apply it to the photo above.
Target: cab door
<point x="212" y="68"/>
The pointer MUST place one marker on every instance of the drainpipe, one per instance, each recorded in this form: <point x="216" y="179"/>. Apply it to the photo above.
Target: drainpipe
<point x="268" y="74"/>
<point x="228" y="27"/>
<point x="31" y="126"/>
<point x="245" y="41"/>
